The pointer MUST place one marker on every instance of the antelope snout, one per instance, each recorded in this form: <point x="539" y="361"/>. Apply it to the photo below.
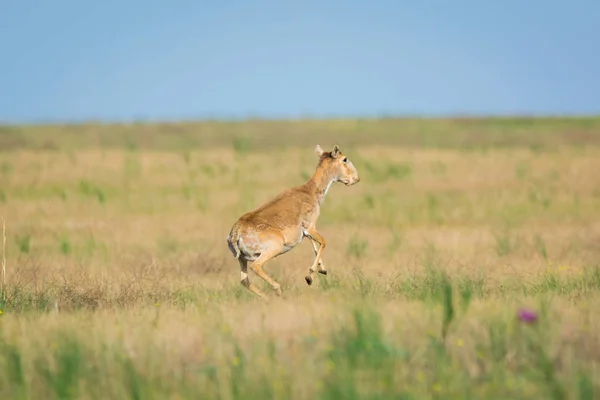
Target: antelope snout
<point x="354" y="181"/>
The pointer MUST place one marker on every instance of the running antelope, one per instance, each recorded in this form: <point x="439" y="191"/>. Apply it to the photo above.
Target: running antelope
<point x="279" y="225"/>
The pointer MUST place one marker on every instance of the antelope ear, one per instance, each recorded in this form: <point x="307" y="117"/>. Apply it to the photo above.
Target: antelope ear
<point x="336" y="151"/>
<point x="319" y="151"/>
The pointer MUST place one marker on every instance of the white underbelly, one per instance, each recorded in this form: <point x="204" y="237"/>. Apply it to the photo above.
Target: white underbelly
<point x="293" y="241"/>
<point x="251" y="247"/>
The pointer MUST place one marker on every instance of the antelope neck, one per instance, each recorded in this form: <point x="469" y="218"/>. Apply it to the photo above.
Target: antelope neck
<point x="320" y="183"/>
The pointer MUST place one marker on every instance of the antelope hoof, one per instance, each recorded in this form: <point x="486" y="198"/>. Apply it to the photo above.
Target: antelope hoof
<point x="308" y="280"/>
<point x="278" y="292"/>
<point x="323" y="271"/>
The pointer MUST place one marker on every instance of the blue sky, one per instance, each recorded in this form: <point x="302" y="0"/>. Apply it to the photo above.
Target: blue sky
<point x="70" y="60"/>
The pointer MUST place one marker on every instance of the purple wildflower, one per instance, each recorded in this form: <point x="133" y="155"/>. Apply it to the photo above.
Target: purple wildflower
<point x="527" y="316"/>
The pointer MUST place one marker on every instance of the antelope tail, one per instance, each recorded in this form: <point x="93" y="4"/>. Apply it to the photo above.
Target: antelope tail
<point x="232" y="242"/>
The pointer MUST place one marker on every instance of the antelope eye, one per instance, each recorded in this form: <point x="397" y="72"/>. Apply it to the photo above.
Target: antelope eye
<point x="345" y="159"/>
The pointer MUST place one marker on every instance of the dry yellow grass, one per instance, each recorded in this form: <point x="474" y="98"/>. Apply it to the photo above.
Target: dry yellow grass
<point x="121" y="252"/>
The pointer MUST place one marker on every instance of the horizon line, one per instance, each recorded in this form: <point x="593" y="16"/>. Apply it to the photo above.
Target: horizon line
<point x="293" y="118"/>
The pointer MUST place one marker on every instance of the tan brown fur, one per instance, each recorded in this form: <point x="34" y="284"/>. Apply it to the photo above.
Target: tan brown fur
<point x="279" y="225"/>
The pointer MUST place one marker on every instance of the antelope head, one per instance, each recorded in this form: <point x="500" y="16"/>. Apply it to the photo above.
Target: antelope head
<point x="338" y="166"/>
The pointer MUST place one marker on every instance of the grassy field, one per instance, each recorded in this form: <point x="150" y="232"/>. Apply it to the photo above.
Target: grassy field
<point x="119" y="283"/>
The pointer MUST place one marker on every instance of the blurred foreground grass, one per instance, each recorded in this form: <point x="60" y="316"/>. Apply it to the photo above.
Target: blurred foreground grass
<point x="119" y="283"/>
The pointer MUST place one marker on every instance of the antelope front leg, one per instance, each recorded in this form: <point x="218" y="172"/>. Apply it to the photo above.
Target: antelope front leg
<point x="320" y="267"/>
<point x="315" y="236"/>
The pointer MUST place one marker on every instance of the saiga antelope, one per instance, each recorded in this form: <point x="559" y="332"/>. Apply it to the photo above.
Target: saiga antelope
<point x="279" y="225"/>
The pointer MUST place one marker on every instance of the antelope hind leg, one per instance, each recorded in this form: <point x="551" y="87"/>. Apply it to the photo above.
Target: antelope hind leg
<point x="274" y="248"/>
<point x="245" y="280"/>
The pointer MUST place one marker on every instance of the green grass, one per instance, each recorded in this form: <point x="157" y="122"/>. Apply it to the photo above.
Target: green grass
<point x="461" y="353"/>
<point x="119" y="283"/>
